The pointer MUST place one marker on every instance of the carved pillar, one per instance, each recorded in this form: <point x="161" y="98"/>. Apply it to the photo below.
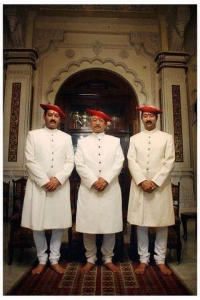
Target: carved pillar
<point x="19" y="65"/>
<point x="171" y="68"/>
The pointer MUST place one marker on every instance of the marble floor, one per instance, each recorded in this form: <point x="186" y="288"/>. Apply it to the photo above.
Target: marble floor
<point x="186" y="270"/>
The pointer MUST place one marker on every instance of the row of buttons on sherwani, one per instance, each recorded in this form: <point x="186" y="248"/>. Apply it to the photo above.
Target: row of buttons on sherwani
<point x="52" y="146"/>
<point x="99" y="153"/>
<point x="148" y="154"/>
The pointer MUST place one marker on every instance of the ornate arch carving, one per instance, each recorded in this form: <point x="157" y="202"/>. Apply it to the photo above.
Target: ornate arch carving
<point x="85" y="63"/>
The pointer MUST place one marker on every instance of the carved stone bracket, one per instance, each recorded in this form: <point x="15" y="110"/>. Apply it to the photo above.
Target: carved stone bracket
<point x="43" y="38"/>
<point x="16" y="25"/>
<point x="176" y="27"/>
<point x="20" y="56"/>
<point x="171" y="60"/>
<point x="149" y="41"/>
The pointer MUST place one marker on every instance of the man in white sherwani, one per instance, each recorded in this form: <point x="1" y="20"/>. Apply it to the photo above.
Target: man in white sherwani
<point x="151" y="158"/>
<point x="49" y="159"/>
<point x="99" y="160"/>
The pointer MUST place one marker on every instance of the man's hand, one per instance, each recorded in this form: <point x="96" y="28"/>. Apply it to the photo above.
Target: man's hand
<point x="52" y="184"/>
<point x="100" y="184"/>
<point x="148" y="186"/>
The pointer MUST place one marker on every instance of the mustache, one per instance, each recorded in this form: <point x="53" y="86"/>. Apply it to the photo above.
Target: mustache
<point x="148" y="122"/>
<point x="52" y="121"/>
<point x="97" y="126"/>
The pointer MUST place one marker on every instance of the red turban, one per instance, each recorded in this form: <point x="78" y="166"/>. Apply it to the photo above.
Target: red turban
<point x="99" y="114"/>
<point x="150" y="109"/>
<point x="55" y="108"/>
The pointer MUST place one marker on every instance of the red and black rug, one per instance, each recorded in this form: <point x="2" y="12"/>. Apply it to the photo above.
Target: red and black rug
<point x="99" y="281"/>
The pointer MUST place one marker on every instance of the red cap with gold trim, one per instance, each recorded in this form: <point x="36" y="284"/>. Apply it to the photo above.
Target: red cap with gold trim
<point x="150" y="109"/>
<point x="55" y="108"/>
<point x="99" y="114"/>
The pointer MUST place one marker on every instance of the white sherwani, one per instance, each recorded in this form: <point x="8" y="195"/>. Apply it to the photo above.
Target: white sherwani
<point x="99" y="155"/>
<point x="48" y="153"/>
<point x="151" y="156"/>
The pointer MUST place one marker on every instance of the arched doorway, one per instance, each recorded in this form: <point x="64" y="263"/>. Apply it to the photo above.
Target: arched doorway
<point x="99" y="89"/>
<point x="104" y="90"/>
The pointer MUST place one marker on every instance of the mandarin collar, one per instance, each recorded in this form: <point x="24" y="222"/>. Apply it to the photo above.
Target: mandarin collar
<point x="50" y="130"/>
<point x="150" y="131"/>
<point x="97" y="135"/>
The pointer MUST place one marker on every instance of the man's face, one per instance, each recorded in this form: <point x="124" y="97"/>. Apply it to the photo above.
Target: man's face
<point x="149" y="120"/>
<point x="52" y="119"/>
<point x="97" y="124"/>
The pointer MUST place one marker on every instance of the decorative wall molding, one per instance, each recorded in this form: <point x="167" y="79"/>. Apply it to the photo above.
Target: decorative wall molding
<point x="137" y="83"/>
<point x="14" y="122"/>
<point x="175" y="75"/>
<point x="178" y="136"/>
<point x="102" y="8"/>
<point x="70" y="53"/>
<point x="20" y="56"/>
<point x="124" y="54"/>
<point x="150" y="41"/>
<point x="92" y="20"/>
<point x="47" y="38"/>
<point x="97" y="47"/>
<point x="18" y="72"/>
<point x="171" y="60"/>
<point x="44" y="37"/>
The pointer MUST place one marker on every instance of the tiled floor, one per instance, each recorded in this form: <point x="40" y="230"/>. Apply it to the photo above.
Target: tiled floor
<point x="187" y="270"/>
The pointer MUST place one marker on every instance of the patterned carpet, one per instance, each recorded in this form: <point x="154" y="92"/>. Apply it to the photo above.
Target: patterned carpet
<point x="99" y="281"/>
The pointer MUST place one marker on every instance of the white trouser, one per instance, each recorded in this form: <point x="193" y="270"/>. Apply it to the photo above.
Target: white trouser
<point x="106" y="248"/>
<point x="160" y="244"/>
<point x="41" y="246"/>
